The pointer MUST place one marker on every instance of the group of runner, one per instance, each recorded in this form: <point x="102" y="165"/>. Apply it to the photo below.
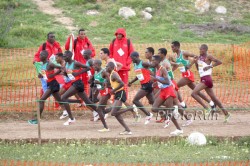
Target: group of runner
<point x="155" y="75"/>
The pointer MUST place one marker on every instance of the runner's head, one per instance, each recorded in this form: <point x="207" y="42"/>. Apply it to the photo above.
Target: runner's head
<point x="134" y="56"/>
<point x="203" y="49"/>
<point x="175" y="46"/>
<point x="104" y="53"/>
<point x="97" y="64"/>
<point x="110" y="67"/>
<point x="87" y="54"/>
<point x="156" y="60"/>
<point x="67" y="55"/>
<point x="149" y="52"/>
<point x="51" y="37"/>
<point x="81" y="33"/>
<point x="162" y="52"/>
<point x="59" y="57"/>
<point x="43" y="55"/>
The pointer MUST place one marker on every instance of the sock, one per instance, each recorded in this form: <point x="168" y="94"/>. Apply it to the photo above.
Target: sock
<point x="183" y="104"/>
<point x="211" y="103"/>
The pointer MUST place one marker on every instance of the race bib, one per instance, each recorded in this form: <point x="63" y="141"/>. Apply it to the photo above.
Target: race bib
<point x="139" y="74"/>
<point x="82" y="51"/>
<point x="182" y="68"/>
<point x="43" y="72"/>
<point x="120" y="52"/>
<point x="98" y="86"/>
<point x="160" y="85"/>
<point x="66" y="79"/>
<point x="89" y="73"/>
<point x="70" y="75"/>
<point x="200" y="67"/>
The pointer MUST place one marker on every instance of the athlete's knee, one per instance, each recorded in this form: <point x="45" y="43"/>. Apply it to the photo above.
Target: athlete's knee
<point x="151" y="102"/>
<point x="154" y="109"/>
<point x="194" y="94"/>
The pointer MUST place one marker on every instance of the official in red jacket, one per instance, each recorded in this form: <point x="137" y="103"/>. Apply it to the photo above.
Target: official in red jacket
<point x="51" y="45"/>
<point x="120" y="49"/>
<point x="81" y="43"/>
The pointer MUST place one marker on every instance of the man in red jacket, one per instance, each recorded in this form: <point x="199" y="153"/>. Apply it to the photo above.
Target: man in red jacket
<point x="52" y="47"/>
<point x="80" y="44"/>
<point x="120" y="49"/>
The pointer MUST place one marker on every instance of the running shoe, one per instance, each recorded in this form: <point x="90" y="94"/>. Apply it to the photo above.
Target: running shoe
<point x="64" y="115"/>
<point x="96" y="118"/>
<point x="213" y="107"/>
<point x="148" y="118"/>
<point x="227" y="117"/>
<point x="188" y="122"/>
<point x="167" y="122"/>
<point x="137" y="117"/>
<point x="126" y="133"/>
<point x="69" y="122"/>
<point x="33" y="121"/>
<point x="104" y="130"/>
<point x="106" y="116"/>
<point x="207" y="111"/>
<point x="161" y="120"/>
<point x="176" y="132"/>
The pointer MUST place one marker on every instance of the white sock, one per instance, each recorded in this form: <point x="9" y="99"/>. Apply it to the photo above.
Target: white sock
<point x="94" y="113"/>
<point x="183" y="104"/>
<point x="211" y="103"/>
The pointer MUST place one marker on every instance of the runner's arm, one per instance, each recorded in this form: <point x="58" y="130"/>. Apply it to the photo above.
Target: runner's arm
<point x="212" y="59"/>
<point x="85" y="68"/>
<point x="131" y="82"/>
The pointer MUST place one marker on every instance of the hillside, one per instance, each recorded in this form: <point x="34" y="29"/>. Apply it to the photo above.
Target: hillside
<point x="26" y="25"/>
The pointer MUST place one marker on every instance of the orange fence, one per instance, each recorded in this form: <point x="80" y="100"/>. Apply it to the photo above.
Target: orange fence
<point x="45" y="163"/>
<point x="20" y="87"/>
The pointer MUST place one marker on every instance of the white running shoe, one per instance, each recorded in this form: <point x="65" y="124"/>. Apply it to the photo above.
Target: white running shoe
<point x="96" y="116"/>
<point x="126" y="133"/>
<point x="148" y="118"/>
<point x="188" y="122"/>
<point x="167" y="122"/>
<point x="69" y="122"/>
<point x="106" y="116"/>
<point x="176" y="132"/>
<point x="104" y="130"/>
<point x="64" y="115"/>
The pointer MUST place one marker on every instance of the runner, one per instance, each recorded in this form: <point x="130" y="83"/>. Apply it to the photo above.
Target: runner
<point x="74" y="70"/>
<point x="48" y="74"/>
<point x="105" y="56"/>
<point x="166" y="95"/>
<point x="99" y="81"/>
<point x="187" y="76"/>
<point x="162" y="52"/>
<point x="143" y="75"/>
<point x="120" y="96"/>
<point x="204" y="64"/>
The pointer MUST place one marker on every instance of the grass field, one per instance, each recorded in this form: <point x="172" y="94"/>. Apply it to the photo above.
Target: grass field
<point x="30" y="26"/>
<point x="147" y="151"/>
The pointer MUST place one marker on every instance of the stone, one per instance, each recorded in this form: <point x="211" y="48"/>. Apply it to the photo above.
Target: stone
<point x="221" y="10"/>
<point x="126" y="12"/>
<point x="148" y="9"/>
<point x="146" y="15"/>
<point x="202" y="5"/>
<point x="92" y="12"/>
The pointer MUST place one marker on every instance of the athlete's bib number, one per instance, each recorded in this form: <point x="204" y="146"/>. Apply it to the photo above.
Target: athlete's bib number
<point x="139" y="74"/>
<point x="43" y="72"/>
<point x="201" y="70"/>
<point x="70" y="75"/>
<point x="98" y="86"/>
<point x="182" y="69"/>
<point x="160" y="85"/>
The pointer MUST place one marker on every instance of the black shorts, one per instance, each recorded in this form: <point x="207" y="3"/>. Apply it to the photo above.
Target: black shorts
<point x="78" y="85"/>
<point x="121" y="95"/>
<point x="147" y="87"/>
<point x="53" y="86"/>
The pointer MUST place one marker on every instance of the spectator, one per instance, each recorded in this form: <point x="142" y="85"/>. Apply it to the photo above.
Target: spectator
<point x="120" y="49"/>
<point x="81" y="43"/>
<point x="52" y="47"/>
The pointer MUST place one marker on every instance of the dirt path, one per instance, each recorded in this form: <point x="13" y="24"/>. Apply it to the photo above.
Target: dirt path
<point x="46" y="6"/>
<point x="85" y="129"/>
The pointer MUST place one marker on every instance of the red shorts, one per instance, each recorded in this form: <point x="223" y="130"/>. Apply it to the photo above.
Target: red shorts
<point x="174" y="84"/>
<point x="188" y="74"/>
<point x="105" y="91"/>
<point x="66" y="86"/>
<point x="207" y="80"/>
<point x="167" y="92"/>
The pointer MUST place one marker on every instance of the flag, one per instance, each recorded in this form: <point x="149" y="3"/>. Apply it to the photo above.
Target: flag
<point x="71" y="45"/>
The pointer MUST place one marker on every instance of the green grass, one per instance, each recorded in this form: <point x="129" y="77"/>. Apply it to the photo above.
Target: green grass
<point x="31" y="26"/>
<point x="127" y="152"/>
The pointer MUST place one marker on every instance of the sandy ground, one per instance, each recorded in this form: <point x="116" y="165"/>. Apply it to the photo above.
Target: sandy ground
<point x="85" y="129"/>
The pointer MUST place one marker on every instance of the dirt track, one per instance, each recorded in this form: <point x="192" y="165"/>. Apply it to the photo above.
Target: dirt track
<point x="86" y="129"/>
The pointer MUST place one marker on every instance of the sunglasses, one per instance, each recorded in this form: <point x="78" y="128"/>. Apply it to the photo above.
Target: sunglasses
<point x="52" y="36"/>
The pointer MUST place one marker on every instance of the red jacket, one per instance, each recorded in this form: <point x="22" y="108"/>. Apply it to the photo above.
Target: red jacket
<point x="120" y="51"/>
<point x="81" y="44"/>
<point x="51" y="48"/>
